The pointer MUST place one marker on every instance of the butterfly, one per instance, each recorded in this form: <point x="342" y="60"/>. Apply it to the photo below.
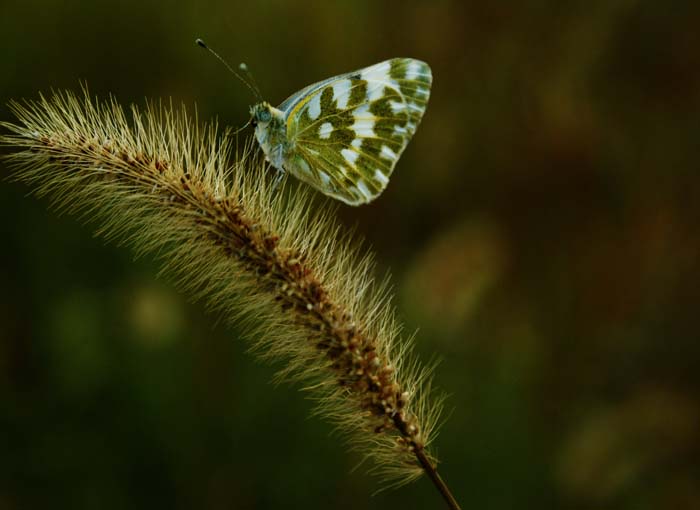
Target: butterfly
<point x="344" y="135"/>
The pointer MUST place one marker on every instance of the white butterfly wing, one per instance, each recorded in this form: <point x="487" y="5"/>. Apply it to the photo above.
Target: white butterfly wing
<point x="349" y="131"/>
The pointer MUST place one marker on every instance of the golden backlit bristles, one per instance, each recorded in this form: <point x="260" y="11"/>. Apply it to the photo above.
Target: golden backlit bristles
<point x="267" y="258"/>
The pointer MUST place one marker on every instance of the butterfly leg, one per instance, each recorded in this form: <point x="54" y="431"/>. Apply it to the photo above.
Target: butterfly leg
<point x="278" y="179"/>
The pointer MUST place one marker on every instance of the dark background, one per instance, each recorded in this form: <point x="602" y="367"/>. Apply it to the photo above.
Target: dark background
<point x="542" y="230"/>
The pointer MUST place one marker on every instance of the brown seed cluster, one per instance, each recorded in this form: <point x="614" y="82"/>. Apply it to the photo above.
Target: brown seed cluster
<point x="365" y="386"/>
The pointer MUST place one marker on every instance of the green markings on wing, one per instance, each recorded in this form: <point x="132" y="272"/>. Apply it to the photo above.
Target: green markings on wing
<point x="349" y="134"/>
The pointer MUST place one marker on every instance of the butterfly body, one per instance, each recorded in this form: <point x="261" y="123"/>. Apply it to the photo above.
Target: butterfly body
<point x="344" y="135"/>
<point x="271" y="133"/>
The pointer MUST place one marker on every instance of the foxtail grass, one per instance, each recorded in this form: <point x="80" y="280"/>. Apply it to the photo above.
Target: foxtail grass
<point x="268" y="259"/>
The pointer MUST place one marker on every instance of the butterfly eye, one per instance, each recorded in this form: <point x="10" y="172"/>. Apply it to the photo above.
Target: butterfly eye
<point x="265" y="116"/>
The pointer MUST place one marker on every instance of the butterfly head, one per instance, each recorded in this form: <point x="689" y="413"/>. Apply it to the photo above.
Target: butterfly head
<point x="261" y="114"/>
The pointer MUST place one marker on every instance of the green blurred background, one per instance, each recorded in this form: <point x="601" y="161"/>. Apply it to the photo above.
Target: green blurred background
<point x="541" y="229"/>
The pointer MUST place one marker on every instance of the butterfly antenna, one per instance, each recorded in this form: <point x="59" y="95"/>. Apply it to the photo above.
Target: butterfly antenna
<point x="253" y="89"/>
<point x="243" y="67"/>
